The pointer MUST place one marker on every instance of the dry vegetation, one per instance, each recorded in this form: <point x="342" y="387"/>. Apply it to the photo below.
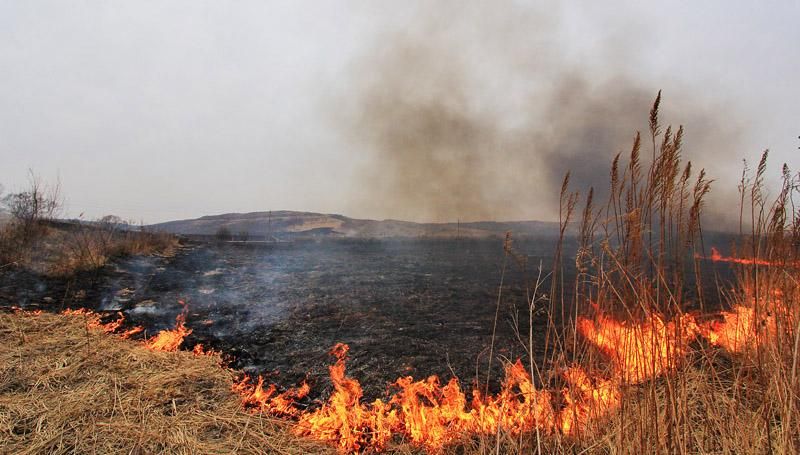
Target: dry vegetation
<point x="83" y="247"/>
<point x="31" y="238"/>
<point x="67" y="389"/>
<point x="639" y="261"/>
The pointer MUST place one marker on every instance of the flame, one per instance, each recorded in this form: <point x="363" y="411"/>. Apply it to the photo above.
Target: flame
<point x="716" y="256"/>
<point x="19" y="310"/>
<point x="254" y="396"/>
<point x="640" y="351"/>
<point x="733" y="332"/>
<point x="199" y="349"/>
<point x="166" y="340"/>
<point x="171" y="340"/>
<point x="587" y="399"/>
<point x="517" y="408"/>
<point x="94" y="322"/>
<point x="343" y="420"/>
<point x="131" y="332"/>
<point x="743" y="328"/>
<point x="433" y="416"/>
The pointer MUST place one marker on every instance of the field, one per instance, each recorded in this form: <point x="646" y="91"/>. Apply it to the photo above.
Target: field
<point x="633" y="332"/>
<point x="406" y="307"/>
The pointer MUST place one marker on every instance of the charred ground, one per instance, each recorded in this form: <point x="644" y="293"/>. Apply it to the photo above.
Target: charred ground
<point x="406" y="307"/>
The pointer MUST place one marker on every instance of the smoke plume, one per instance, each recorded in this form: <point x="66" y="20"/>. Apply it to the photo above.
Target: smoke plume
<point x="477" y="112"/>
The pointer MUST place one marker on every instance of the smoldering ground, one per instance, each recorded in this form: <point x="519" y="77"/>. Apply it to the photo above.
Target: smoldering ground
<point x="476" y="112"/>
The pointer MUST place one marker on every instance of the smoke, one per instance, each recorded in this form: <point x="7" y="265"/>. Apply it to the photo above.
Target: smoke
<point x="477" y="112"/>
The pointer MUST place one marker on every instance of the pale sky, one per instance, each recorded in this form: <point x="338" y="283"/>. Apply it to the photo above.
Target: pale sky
<point x="160" y="110"/>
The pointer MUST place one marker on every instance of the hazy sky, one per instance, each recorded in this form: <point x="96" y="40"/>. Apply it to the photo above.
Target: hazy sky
<point x="158" y="110"/>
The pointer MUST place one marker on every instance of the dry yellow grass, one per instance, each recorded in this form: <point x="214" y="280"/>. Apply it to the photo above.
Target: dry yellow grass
<point x="64" y="389"/>
<point x="62" y="249"/>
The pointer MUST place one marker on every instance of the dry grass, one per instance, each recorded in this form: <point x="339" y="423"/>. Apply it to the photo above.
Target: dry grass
<point x="63" y="249"/>
<point x="64" y="389"/>
<point x="635" y="261"/>
<point x="90" y="248"/>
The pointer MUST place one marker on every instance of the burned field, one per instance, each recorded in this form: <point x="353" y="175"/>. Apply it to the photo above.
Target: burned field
<point x="405" y="307"/>
<point x="390" y="309"/>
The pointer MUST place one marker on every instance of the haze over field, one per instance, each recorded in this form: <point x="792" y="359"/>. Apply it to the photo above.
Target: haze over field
<point x="159" y="111"/>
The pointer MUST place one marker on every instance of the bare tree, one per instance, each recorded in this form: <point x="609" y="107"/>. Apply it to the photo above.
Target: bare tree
<point x="38" y="203"/>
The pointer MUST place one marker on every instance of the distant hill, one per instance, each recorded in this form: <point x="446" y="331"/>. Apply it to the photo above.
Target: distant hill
<point x="289" y="224"/>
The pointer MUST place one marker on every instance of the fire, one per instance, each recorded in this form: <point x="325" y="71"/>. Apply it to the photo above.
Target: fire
<point x="433" y="416"/>
<point x="745" y="326"/>
<point x="343" y="420"/>
<point x="267" y="400"/>
<point x="717" y="257"/>
<point x="640" y="351"/>
<point x="166" y="340"/>
<point x="171" y="340"/>
<point x="518" y="407"/>
<point x="19" y="310"/>
<point x="131" y="332"/>
<point x="199" y="349"/>
<point x="733" y="333"/>
<point x="80" y="312"/>
<point x="587" y="400"/>
<point x="94" y="322"/>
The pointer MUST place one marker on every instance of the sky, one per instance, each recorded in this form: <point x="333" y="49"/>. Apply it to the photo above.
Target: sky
<point x="426" y="111"/>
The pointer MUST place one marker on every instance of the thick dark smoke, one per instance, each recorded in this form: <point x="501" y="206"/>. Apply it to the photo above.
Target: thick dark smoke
<point x="476" y="114"/>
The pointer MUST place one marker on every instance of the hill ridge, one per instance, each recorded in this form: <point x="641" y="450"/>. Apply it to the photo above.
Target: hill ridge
<point x="288" y="223"/>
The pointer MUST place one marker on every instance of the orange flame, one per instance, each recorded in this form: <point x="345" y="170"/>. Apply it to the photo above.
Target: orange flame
<point x="19" y="310"/>
<point x="254" y="396"/>
<point x="733" y="333"/>
<point x="343" y="420"/>
<point x="131" y="332"/>
<point x="717" y="257"/>
<point x="587" y="400"/>
<point x="433" y="416"/>
<point x="640" y="351"/>
<point x="171" y="340"/>
<point x="94" y="322"/>
<point x="199" y="349"/>
<point x="745" y="326"/>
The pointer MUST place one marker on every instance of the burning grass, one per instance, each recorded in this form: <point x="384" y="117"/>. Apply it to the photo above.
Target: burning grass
<point x="65" y="388"/>
<point x="69" y="385"/>
<point x="632" y="370"/>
